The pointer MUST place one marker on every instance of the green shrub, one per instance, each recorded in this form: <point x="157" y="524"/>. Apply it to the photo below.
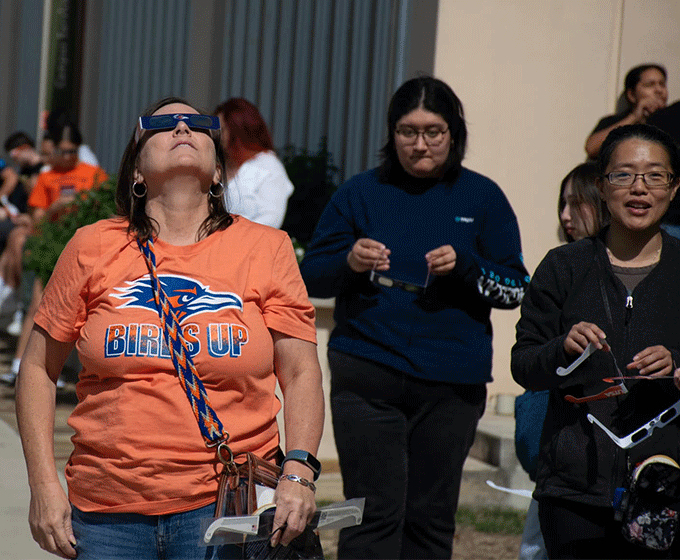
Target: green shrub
<point x="43" y="249"/>
<point x="314" y="177"/>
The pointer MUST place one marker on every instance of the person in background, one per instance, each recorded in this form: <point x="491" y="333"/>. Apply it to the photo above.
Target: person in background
<point x="54" y="190"/>
<point x="58" y="186"/>
<point x="581" y="214"/>
<point x="580" y="209"/>
<point x="22" y="151"/>
<point x="668" y="120"/>
<point x="258" y="187"/>
<point x="141" y="478"/>
<point x="617" y="292"/>
<point x="56" y="120"/>
<point x="15" y="224"/>
<point x="9" y="214"/>
<point x="645" y="92"/>
<point x="417" y="252"/>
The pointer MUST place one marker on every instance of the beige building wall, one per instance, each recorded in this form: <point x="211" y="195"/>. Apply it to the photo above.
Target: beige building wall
<point x="534" y="77"/>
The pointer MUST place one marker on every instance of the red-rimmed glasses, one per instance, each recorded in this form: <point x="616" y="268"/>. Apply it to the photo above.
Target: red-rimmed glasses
<point x="615" y="391"/>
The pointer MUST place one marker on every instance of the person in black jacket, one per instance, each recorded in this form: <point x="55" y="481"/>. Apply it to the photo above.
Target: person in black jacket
<point x="616" y="293"/>
<point x="645" y="93"/>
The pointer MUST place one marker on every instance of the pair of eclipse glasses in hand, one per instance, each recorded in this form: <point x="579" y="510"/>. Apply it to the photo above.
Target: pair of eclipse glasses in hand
<point x="638" y="435"/>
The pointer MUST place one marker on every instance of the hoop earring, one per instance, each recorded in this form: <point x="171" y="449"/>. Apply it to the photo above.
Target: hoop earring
<point x="135" y="190"/>
<point x="216" y="193"/>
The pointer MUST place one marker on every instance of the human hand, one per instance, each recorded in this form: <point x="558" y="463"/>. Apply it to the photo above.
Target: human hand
<point x="295" y="507"/>
<point x="368" y="254"/>
<point x="645" y="107"/>
<point x="655" y="361"/>
<point x="50" y="520"/>
<point x="582" y="334"/>
<point x="441" y="260"/>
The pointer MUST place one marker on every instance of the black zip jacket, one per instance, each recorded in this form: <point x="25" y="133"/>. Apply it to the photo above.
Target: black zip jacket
<point x="573" y="283"/>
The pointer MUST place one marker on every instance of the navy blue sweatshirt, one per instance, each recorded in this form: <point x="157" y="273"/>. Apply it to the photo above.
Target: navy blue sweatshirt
<point x="443" y="333"/>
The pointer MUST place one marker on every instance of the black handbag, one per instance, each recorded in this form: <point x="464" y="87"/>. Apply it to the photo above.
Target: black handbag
<point x="648" y="508"/>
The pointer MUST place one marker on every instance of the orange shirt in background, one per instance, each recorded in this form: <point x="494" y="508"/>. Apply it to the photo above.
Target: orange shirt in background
<point x="53" y="184"/>
<point x="137" y="446"/>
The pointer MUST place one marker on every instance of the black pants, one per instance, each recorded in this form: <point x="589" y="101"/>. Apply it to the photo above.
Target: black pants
<point x="574" y="530"/>
<point x="402" y="442"/>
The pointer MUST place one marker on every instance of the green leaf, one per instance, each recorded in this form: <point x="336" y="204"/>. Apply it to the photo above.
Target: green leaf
<point x="44" y="247"/>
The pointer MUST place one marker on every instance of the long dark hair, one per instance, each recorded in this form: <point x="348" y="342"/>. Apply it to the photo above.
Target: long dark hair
<point x="134" y="209"/>
<point x="583" y="180"/>
<point x="437" y="97"/>
<point x="634" y="75"/>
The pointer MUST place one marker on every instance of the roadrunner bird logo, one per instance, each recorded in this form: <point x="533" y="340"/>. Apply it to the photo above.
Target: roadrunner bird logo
<point x="187" y="296"/>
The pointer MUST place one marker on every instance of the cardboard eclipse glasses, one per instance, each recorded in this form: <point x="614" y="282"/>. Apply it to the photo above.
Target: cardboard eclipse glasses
<point x="208" y="123"/>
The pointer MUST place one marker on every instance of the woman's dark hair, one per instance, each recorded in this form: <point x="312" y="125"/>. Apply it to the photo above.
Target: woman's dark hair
<point x="635" y="75"/>
<point x="437" y="97"/>
<point x="134" y="209"/>
<point x="65" y="131"/>
<point x="17" y="139"/>
<point x="643" y="132"/>
<point x="61" y="126"/>
<point x="583" y="180"/>
<point x="248" y="133"/>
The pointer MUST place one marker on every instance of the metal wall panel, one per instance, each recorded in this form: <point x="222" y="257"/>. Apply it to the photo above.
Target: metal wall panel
<point x="316" y="68"/>
<point x="20" y="47"/>
<point x="143" y="58"/>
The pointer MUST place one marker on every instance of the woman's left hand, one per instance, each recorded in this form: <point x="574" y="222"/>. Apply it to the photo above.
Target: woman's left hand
<point x="295" y="507"/>
<point x="442" y="260"/>
<point x="655" y="361"/>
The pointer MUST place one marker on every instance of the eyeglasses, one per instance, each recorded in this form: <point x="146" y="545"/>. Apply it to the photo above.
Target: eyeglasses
<point x="382" y="280"/>
<point x="578" y="361"/>
<point x="653" y="179"/>
<point x="614" y="391"/>
<point x="69" y="152"/>
<point x="433" y="136"/>
<point x="642" y="433"/>
<point x="169" y="122"/>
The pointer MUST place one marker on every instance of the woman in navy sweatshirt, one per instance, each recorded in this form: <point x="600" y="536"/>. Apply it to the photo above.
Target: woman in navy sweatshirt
<point x="416" y="252"/>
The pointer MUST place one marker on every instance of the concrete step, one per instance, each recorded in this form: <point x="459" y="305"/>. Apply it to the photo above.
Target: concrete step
<point x="494" y="447"/>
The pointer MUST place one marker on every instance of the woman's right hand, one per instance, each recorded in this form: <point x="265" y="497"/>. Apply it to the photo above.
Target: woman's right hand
<point x="582" y="334"/>
<point x="645" y="107"/>
<point x="368" y="254"/>
<point x="50" y="520"/>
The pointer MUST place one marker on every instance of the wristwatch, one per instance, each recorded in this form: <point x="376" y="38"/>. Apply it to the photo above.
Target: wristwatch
<point x="306" y="458"/>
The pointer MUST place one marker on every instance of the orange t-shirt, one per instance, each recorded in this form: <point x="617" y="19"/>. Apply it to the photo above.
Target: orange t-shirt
<point x="53" y="184"/>
<point x="137" y="445"/>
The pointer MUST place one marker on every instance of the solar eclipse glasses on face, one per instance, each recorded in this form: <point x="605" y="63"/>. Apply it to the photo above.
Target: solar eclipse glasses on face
<point x="206" y="123"/>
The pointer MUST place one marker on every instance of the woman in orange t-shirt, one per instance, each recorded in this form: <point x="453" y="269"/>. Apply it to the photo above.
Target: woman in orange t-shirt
<point x="140" y="467"/>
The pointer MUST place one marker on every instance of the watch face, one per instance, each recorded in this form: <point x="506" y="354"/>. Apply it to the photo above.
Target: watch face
<point x="306" y="458"/>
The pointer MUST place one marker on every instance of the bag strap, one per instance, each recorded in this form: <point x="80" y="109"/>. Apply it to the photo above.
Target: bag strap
<point x="211" y="428"/>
